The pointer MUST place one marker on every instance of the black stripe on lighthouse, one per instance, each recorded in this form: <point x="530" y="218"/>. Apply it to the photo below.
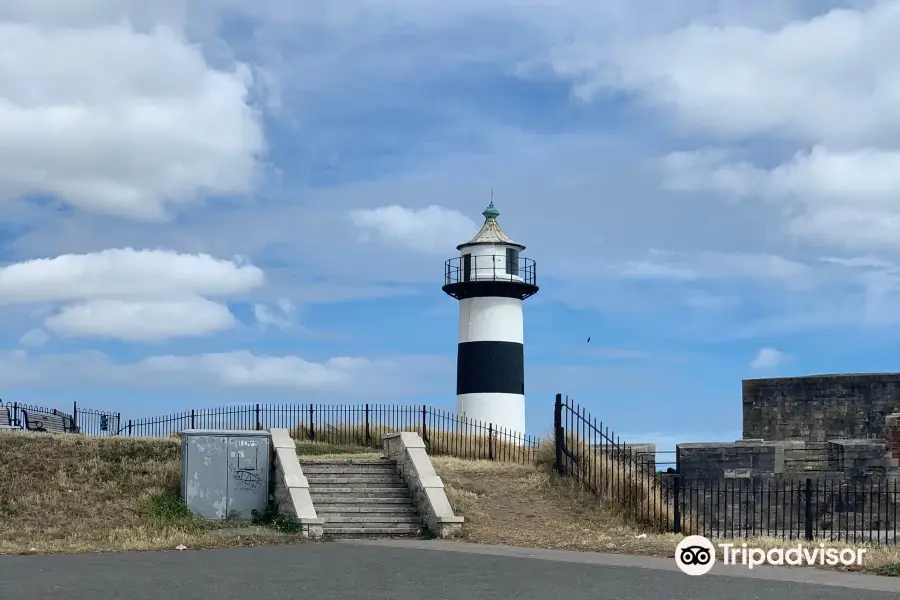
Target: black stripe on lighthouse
<point x="490" y="368"/>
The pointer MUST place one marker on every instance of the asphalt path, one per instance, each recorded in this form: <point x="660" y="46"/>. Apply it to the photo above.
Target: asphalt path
<point x="409" y="570"/>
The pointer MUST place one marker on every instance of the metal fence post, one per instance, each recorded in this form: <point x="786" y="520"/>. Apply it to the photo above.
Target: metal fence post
<point x="193" y="416"/>
<point x="424" y="423"/>
<point x="312" y="428"/>
<point x="676" y="503"/>
<point x="808" y="515"/>
<point x="368" y="433"/>
<point x="129" y="426"/>
<point x="258" y="425"/>
<point x="558" y="435"/>
<point x="490" y="441"/>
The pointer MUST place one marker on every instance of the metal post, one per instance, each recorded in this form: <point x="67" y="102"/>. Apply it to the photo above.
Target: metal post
<point x="490" y="441"/>
<point x="558" y="435"/>
<point x="808" y="515"/>
<point x="676" y="501"/>
<point x="368" y="433"/>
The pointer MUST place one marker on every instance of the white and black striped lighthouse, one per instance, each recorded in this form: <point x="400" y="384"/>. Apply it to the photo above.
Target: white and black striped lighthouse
<point x="490" y="279"/>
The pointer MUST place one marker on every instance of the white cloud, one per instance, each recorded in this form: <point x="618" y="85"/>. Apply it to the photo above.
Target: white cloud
<point x="115" y="120"/>
<point x="831" y="78"/>
<point x="236" y="371"/>
<point x="141" y="321"/>
<point x="433" y="229"/>
<point x="844" y="199"/>
<point x="125" y="273"/>
<point x="34" y="337"/>
<point x="768" y="358"/>
<point x="715" y="265"/>
<point x="267" y="317"/>
<point x="133" y="295"/>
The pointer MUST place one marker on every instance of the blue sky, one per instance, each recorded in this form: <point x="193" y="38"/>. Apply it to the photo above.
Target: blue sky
<point x="253" y="202"/>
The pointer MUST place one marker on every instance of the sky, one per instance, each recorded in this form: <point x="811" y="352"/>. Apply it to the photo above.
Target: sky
<point x="233" y="202"/>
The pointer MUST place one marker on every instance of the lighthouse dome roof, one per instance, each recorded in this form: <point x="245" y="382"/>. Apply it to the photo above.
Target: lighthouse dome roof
<point x="490" y="232"/>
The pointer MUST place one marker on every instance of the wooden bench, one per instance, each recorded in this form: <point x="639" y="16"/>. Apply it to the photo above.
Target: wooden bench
<point x="48" y="422"/>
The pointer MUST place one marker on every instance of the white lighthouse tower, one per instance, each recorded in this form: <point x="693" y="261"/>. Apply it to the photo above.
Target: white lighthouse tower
<point x="490" y="279"/>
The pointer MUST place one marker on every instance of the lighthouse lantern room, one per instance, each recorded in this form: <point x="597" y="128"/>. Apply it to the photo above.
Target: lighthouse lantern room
<point x="490" y="279"/>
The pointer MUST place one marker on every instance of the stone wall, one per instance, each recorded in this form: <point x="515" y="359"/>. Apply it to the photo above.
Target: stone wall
<point x="819" y="408"/>
<point x="714" y="460"/>
<point x="793" y="459"/>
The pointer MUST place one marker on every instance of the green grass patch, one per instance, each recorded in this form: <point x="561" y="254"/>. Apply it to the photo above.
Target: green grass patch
<point x="168" y="506"/>
<point x="888" y="570"/>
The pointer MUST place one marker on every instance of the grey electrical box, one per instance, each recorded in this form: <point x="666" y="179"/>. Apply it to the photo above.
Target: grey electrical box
<point x="225" y="473"/>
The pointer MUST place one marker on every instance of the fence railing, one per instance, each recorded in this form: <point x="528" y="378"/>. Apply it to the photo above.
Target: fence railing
<point x="347" y="425"/>
<point x="811" y="509"/>
<point x="619" y="474"/>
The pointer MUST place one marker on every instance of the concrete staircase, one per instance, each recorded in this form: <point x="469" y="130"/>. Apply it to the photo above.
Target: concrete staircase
<point x="361" y="498"/>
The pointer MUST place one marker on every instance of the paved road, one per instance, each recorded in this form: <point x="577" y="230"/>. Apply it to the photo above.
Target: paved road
<point x="406" y="571"/>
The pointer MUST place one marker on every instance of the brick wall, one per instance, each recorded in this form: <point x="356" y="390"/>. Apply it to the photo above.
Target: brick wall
<point x="821" y="407"/>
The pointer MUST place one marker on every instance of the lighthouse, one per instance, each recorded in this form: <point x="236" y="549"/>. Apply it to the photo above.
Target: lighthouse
<point x="490" y="279"/>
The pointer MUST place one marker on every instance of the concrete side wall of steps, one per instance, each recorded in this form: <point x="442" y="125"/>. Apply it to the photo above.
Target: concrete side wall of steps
<point x="407" y="450"/>
<point x="291" y="490"/>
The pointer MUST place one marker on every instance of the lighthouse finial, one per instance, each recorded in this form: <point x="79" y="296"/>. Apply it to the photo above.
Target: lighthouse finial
<point x="491" y="211"/>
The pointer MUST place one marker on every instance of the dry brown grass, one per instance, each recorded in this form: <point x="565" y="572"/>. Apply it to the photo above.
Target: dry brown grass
<point x="630" y="491"/>
<point x="462" y="444"/>
<point x="67" y="493"/>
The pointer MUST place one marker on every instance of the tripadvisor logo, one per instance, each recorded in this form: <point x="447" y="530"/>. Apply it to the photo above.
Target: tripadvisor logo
<point x="696" y="555"/>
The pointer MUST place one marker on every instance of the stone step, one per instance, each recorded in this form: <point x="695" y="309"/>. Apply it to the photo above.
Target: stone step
<point x="363" y="509"/>
<point x="375" y="528"/>
<point x="349" y="469"/>
<point x="357" y="520"/>
<point x="334" y="499"/>
<point x="353" y="492"/>
<point x="330" y="480"/>
<point x="360" y="486"/>
<point x="357" y="532"/>
<point x="346" y="461"/>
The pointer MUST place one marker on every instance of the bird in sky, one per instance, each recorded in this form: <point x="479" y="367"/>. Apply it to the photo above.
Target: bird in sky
<point x="589" y="340"/>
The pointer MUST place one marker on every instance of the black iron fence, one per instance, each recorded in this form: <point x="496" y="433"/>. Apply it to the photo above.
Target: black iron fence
<point x="853" y="510"/>
<point x="347" y="425"/>
<point x="843" y="509"/>
<point x="623" y="476"/>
